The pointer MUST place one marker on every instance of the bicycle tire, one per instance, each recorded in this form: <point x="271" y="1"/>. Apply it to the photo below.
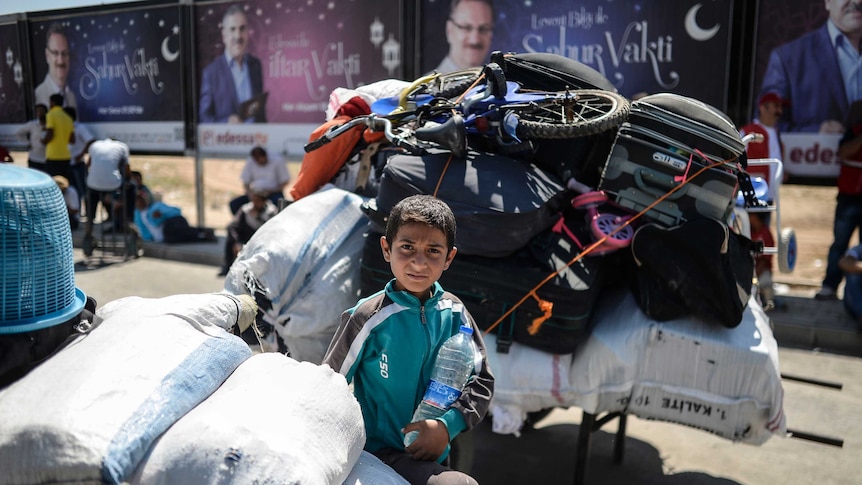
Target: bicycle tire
<point x="588" y="112"/>
<point x="453" y="84"/>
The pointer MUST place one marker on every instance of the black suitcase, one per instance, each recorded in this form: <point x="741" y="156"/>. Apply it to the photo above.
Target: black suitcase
<point x="489" y="287"/>
<point x="499" y="203"/>
<point x="668" y="139"/>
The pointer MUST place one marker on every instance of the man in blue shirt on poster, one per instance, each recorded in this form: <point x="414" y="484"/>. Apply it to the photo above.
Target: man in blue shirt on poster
<point x="232" y="85"/>
<point x="818" y="73"/>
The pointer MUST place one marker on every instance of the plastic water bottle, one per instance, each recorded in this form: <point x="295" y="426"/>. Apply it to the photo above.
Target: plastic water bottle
<point x="451" y="370"/>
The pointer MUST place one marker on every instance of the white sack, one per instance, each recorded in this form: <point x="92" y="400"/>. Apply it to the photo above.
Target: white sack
<point x="274" y="421"/>
<point x="89" y="413"/>
<point x="369" y="470"/>
<point x="306" y="262"/>
<point x="722" y="380"/>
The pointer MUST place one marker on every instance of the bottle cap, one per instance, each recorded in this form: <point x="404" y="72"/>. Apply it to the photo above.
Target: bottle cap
<point x="466" y="329"/>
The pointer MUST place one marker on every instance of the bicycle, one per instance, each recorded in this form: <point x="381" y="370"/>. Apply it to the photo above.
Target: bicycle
<point x="429" y="114"/>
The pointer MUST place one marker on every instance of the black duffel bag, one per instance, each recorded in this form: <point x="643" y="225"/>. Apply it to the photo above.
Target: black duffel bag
<point x="699" y="268"/>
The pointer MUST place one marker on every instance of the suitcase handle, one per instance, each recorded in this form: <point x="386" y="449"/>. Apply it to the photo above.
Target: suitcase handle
<point x="656" y="183"/>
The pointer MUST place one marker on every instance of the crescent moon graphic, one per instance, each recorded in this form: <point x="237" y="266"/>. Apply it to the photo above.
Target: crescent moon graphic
<point x="166" y="53"/>
<point x="695" y="31"/>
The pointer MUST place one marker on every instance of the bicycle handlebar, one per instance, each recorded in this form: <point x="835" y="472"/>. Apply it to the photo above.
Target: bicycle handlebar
<point x="374" y="123"/>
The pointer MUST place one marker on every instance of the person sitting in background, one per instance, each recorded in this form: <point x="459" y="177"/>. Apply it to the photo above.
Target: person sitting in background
<point x="851" y="265"/>
<point x="73" y="200"/>
<point x="245" y="223"/>
<point x="5" y="156"/>
<point x="160" y="222"/>
<point x="269" y="173"/>
<point x="137" y="179"/>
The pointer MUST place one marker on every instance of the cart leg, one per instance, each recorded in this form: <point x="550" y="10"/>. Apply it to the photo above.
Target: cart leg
<point x="620" y="445"/>
<point x="588" y="421"/>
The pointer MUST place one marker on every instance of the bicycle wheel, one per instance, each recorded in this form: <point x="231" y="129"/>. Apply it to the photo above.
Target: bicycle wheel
<point x="453" y="84"/>
<point x="571" y="114"/>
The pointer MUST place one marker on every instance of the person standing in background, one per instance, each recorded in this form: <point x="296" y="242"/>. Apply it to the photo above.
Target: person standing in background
<point x="233" y="78"/>
<point x="848" y="206"/>
<point x="32" y="132"/>
<point x="770" y="108"/>
<point x="469" y="31"/>
<point x="818" y="73"/>
<point x="78" y="164"/>
<point x="59" y="134"/>
<point x="57" y="54"/>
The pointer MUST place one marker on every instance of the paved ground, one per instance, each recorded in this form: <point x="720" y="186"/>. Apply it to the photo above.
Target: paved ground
<point x="655" y="452"/>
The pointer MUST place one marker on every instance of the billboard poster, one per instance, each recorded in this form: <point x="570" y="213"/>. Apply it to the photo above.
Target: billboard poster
<point x="13" y="112"/>
<point x="120" y="70"/>
<point x="266" y="69"/>
<point x="641" y="46"/>
<point x="795" y="58"/>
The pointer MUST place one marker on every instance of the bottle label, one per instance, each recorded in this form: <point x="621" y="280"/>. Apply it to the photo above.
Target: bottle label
<point x="440" y="395"/>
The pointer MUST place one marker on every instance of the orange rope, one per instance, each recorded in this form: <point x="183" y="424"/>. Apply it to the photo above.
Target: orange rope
<point x="537" y="323"/>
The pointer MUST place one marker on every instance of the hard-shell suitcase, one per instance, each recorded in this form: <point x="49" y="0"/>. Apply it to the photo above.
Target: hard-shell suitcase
<point x="666" y="141"/>
<point x="489" y="287"/>
<point x="499" y="203"/>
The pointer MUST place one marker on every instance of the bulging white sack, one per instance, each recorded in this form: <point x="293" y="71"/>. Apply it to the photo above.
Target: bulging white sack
<point x="89" y="413"/>
<point x="275" y="421"/>
<point x="304" y="264"/>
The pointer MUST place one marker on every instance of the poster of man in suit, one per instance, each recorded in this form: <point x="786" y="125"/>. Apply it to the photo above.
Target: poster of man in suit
<point x="808" y="54"/>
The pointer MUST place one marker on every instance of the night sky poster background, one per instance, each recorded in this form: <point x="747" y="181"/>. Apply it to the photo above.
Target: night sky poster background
<point x="11" y="77"/>
<point x="308" y="48"/>
<point x="124" y="66"/>
<point x="679" y="46"/>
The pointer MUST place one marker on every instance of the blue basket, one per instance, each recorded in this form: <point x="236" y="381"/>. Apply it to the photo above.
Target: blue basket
<point x="37" y="267"/>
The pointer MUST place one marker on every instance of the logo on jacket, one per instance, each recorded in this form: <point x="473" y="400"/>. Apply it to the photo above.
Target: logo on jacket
<point x="384" y="366"/>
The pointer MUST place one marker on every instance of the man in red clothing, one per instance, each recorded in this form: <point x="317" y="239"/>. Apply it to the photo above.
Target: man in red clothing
<point x="770" y="107"/>
<point x="848" y="207"/>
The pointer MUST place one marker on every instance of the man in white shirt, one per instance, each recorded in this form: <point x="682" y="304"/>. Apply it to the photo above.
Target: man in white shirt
<point x="57" y="55"/>
<point x="269" y="174"/>
<point x="108" y="174"/>
<point x="469" y="31"/>
<point x="31" y="132"/>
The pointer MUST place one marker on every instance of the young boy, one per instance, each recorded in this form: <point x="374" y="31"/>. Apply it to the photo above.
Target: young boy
<point x="387" y="343"/>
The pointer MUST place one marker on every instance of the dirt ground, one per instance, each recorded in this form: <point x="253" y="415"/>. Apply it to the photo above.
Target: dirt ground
<point x="807" y="209"/>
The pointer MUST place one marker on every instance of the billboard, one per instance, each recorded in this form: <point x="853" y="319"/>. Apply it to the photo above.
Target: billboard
<point x="796" y="58"/>
<point x="121" y="71"/>
<point x="12" y="99"/>
<point x="644" y="46"/>
<point x="266" y="69"/>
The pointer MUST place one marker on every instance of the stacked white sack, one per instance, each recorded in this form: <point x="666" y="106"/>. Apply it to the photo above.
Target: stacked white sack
<point x="725" y="381"/>
<point x="369" y="470"/>
<point x="275" y="420"/>
<point x="90" y="412"/>
<point x="305" y="261"/>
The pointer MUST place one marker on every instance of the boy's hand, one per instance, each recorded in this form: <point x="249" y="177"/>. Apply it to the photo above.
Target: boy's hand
<point x="431" y="441"/>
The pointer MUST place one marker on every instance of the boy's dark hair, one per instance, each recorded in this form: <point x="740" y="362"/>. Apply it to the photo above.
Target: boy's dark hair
<point x="424" y="209"/>
<point x="56" y="100"/>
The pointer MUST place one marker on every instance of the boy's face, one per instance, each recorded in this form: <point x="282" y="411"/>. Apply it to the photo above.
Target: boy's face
<point x="418" y="256"/>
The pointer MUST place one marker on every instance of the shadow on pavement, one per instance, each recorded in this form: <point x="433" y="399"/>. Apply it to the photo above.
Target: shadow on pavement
<point x="546" y="455"/>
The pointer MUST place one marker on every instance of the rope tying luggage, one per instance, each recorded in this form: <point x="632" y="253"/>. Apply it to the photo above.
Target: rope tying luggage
<point x="546" y="306"/>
